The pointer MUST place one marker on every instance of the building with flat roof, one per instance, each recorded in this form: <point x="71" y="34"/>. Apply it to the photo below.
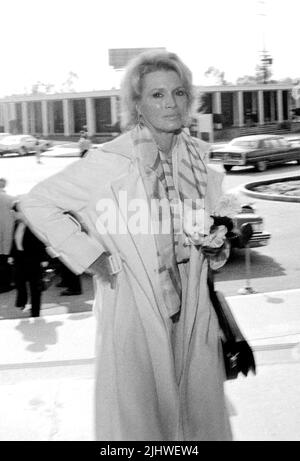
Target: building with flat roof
<point x="236" y="110"/>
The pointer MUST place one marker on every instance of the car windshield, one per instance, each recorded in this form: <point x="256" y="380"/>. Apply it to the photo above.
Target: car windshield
<point x="5" y="139"/>
<point x="11" y="139"/>
<point x="244" y="143"/>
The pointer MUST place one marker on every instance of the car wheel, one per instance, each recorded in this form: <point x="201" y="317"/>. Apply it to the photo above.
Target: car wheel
<point x="261" y="166"/>
<point x="22" y="151"/>
<point x="227" y="167"/>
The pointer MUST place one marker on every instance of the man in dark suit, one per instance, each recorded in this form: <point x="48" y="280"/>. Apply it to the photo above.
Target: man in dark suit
<point x="28" y="253"/>
<point x="69" y="280"/>
<point x="6" y="236"/>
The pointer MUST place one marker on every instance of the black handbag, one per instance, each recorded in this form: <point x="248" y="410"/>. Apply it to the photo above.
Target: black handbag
<point x="238" y="355"/>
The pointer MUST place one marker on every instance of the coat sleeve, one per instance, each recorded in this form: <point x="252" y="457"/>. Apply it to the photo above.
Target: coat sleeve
<point x="49" y="209"/>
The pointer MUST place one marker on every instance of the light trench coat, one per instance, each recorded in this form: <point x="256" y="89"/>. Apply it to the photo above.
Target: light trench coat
<point x="155" y="380"/>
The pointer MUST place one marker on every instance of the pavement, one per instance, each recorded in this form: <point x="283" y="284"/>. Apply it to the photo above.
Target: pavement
<point x="47" y="368"/>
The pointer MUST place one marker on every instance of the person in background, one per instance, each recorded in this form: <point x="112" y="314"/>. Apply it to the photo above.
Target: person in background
<point x="30" y="256"/>
<point x="6" y="236"/>
<point x="84" y="144"/>
<point x="38" y="150"/>
<point x="159" y="365"/>
<point x="70" y="281"/>
<point x="116" y="128"/>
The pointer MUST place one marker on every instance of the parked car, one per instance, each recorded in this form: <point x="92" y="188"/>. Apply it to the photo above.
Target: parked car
<point x="259" y="236"/>
<point x="256" y="150"/>
<point x="3" y="135"/>
<point x="22" y="144"/>
<point x="295" y="142"/>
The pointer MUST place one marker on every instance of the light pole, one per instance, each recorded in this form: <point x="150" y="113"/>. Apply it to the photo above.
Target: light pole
<point x="246" y="234"/>
<point x="265" y="59"/>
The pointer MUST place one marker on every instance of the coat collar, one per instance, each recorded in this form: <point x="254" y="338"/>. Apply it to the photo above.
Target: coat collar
<point x="122" y="145"/>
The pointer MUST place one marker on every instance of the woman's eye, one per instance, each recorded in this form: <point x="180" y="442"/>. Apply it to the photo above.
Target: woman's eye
<point x="180" y="93"/>
<point x="157" y="94"/>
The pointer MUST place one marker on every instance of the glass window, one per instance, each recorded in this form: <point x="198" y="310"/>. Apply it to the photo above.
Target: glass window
<point x="283" y="143"/>
<point x="268" y="143"/>
<point x="247" y="144"/>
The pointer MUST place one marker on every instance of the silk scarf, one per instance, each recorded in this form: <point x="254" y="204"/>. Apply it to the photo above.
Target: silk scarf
<point x="169" y="183"/>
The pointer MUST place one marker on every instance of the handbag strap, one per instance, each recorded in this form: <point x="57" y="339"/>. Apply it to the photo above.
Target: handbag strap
<point x="225" y="317"/>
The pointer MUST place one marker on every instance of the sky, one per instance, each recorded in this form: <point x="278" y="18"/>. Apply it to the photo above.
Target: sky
<point x="44" y="40"/>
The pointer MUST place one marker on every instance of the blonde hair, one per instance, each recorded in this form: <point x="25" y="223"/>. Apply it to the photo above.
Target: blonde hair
<point x="132" y="83"/>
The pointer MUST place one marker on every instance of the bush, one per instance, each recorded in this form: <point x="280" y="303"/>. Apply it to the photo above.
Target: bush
<point x="286" y="125"/>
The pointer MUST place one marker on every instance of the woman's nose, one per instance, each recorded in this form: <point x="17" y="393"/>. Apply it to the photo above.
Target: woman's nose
<point x="170" y="101"/>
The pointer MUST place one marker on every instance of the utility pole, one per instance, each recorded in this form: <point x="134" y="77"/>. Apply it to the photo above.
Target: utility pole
<point x="266" y="59"/>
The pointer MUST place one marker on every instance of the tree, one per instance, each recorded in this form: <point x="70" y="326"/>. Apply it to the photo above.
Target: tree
<point x="204" y="104"/>
<point x="68" y="84"/>
<point x="42" y="88"/>
<point x="215" y="74"/>
<point x="263" y="73"/>
<point x="287" y="80"/>
<point x="247" y="80"/>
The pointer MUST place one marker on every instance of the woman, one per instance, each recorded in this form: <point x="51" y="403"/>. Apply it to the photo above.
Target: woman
<point x="159" y="365"/>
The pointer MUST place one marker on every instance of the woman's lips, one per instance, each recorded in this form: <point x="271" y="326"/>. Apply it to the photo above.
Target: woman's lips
<point x="172" y="116"/>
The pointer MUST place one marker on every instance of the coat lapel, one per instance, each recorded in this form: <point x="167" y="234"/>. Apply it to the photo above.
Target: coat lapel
<point x="131" y="187"/>
<point x="143" y="247"/>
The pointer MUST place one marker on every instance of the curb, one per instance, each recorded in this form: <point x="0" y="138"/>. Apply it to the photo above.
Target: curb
<point x="246" y="189"/>
<point x="273" y="346"/>
<point x="283" y="343"/>
<point x="90" y="362"/>
<point x="47" y="364"/>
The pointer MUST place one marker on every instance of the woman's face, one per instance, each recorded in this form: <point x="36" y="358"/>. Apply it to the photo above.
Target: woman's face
<point x="164" y="101"/>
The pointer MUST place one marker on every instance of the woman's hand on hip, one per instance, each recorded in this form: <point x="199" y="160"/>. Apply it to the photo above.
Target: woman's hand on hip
<point x="101" y="267"/>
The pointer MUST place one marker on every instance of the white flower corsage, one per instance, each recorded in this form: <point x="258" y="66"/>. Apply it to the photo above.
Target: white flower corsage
<point x="209" y="230"/>
<point x="196" y="226"/>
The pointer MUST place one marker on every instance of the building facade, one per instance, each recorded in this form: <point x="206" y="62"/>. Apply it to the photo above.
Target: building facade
<point x="60" y="114"/>
<point x="67" y="113"/>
